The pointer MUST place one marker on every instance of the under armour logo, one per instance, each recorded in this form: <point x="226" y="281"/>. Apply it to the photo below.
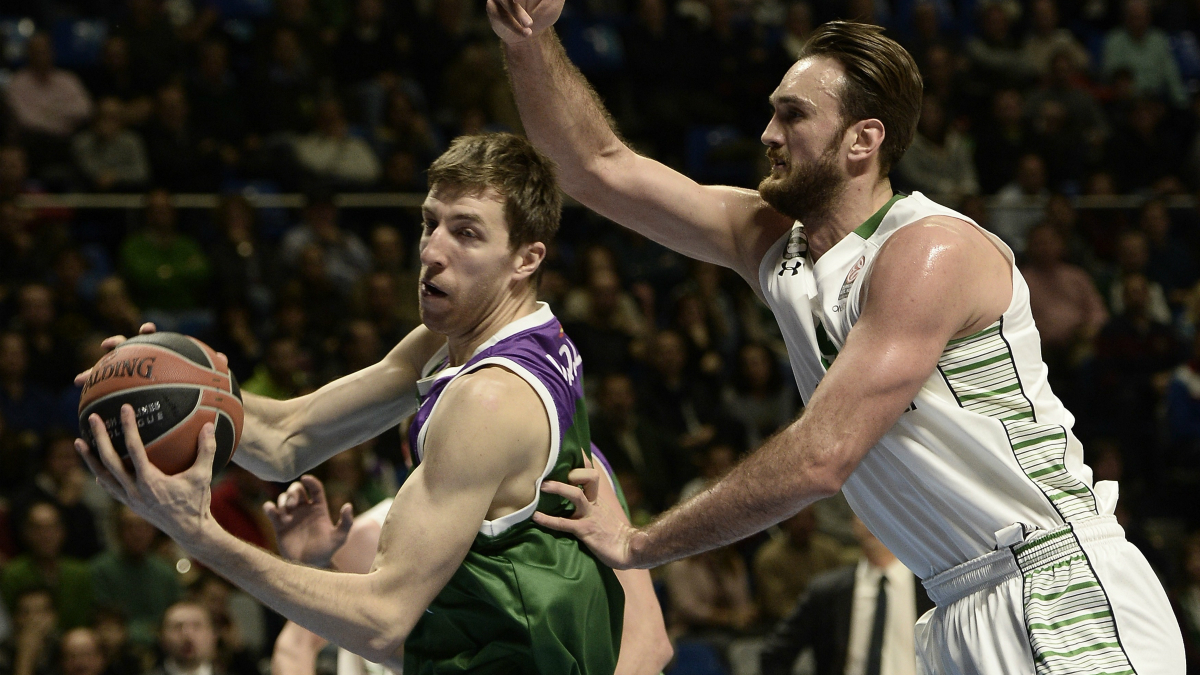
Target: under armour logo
<point x="792" y="266"/>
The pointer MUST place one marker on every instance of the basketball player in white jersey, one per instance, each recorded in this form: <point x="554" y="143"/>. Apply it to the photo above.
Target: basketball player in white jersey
<point x="909" y="332"/>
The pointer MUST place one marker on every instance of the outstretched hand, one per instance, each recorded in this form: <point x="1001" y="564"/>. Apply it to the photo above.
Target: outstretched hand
<point x="520" y="20"/>
<point x="594" y="522"/>
<point x="302" y="524"/>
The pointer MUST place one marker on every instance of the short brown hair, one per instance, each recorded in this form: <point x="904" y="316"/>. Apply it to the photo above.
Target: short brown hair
<point x="882" y="82"/>
<point x="511" y="166"/>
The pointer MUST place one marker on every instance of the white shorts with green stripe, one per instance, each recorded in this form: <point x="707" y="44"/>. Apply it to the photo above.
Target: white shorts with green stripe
<point x="1077" y="600"/>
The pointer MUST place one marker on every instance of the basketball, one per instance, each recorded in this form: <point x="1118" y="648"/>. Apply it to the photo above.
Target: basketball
<point x="175" y="386"/>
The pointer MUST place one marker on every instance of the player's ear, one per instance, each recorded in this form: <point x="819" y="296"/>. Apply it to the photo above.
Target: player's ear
<point x="868" y="138"/>
<point x="529" y="257"/>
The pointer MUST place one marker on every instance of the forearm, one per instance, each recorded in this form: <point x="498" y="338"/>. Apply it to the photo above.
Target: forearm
<point x="372" y="616"/>
<point x="645" y="647"/>
<point x="283" y="439"/>
<point x="562" y="114"/>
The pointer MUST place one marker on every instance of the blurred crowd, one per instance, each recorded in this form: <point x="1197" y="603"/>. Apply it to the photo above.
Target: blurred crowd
<point x="1027" y="103"/>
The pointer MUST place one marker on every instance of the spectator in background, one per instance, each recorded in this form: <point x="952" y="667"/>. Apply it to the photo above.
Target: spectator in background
<point x="188" y="641"/>
<point x="387" y="307"/>
<point x="367" y="56"/>
<point x="1144" y="150"/>
<point x="133" y="581"/>
<point x="14" y="172"/>
<point x="121" y="657"/>
<point x="1046" y="40"/>
<point x="758" y="398"/>
<point x="1061" y="145"/>
<point x="346" y="257"/>
<point x="796" y="552"/>
<point x="279" y="375"/>
<point x="243" y="266"/>
<point x="1019" y="202"/>
<point x="154" y="46"/>
<point x="1066" y="307"/>
<point x="80" y="653"/>
<point x="1001" y="142"/>
<point x="633" y="442"/>
<point x="708" y="595"/>
<point x="48" y="103"/>
<point x="167" y="271"/>
<point x="1170" y="263"/>
<point x="939" y="161"/>
<point x="25" y="405"/>
<point x="30" y="650"/>
<point x="64" y="482"/>
<point x="237" y="500"/>
<point x="406" y="129"/>
<point x="286" y="91"/>
<point x="331" y="156"/>
<point x="1145" y="52"/>
<point x="1134" y="359"/>
<point x="1133" y="256"/>
<point x="218" y="108"/>
<point x="181" y="160"/>
<point x="109" y="156"/>
<point x="604" y="322"/>
<point x="837" y="617"/>
<point x="45" y="338"/>
<point x="238" y="620"/>
<point x="1060" y="85"/>
<point x="115" y="76"/>
<point x="44" y="566"/>
<point x="115" y="312"/>
<point x="686" y="405"/>
<point x="995" y="58"/>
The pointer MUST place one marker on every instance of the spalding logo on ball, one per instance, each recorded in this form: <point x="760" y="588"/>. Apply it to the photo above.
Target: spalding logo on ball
<point x="175" y="386"/>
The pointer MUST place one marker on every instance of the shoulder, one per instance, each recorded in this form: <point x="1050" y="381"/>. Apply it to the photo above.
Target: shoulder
<point x="491" y="407"/>
<point x="936" y="242"/>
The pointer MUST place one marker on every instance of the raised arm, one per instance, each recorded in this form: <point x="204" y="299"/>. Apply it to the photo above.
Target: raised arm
<point x="282" y="439"/>
<point x="565" y="119"/>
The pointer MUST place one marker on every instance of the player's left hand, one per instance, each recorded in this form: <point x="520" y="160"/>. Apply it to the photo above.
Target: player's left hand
<point x="178" y="504"/>
<point x="594" y="522"/>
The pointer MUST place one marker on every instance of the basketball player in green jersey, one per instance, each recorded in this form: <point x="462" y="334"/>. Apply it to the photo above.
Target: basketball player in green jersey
<point x="463" y="580"/>
<point x="910" y="335"/>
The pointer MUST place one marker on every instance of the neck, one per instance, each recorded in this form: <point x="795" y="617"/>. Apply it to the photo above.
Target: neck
<point x="513" y="307"/>
<point x="862" y="198"/>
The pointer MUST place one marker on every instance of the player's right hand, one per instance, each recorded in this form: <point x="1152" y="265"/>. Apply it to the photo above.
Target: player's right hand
<point x="516" y="21"/>
<point x="303" y="528"/>
<point x="110" y="343"/>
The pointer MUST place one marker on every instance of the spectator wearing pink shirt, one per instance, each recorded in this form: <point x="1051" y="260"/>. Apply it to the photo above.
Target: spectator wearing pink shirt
<point x="46" y="100"/>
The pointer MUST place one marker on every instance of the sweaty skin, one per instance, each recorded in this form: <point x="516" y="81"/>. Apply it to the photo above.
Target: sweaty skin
<point x="935" y="280"/>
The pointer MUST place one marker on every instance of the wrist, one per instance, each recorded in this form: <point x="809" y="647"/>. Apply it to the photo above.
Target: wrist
<point x="638" y="549"/>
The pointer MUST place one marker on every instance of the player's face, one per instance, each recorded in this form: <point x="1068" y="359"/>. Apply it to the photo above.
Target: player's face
<point x="467" y="267"/>
<point x="805" y="140"/>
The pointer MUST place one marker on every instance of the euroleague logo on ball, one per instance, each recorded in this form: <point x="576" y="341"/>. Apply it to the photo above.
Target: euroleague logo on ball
<point x="111" y="367"/>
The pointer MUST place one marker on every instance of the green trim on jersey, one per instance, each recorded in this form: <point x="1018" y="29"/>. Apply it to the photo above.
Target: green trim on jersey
<point x="1070" y="621"/>
<point x="871" y="224"/>
<point x="982" y="375"/>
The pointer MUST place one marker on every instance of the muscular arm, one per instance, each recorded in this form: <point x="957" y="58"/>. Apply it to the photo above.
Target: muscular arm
<point x="932" y="281"/>
<point x="564" y="118"/>
<point x="282" y="439"/>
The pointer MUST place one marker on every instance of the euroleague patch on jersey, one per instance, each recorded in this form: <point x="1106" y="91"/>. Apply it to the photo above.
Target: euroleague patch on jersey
<point x="851" y="276"/>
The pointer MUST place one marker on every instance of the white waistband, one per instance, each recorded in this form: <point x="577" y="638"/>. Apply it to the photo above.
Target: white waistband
<point x="1040" y="548"/>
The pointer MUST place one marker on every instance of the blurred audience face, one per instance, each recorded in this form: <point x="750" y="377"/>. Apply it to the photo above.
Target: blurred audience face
<point x="387" y="248"/>
<point x="1136" y="292"/>
<point x="329" y="119"/>
<point x="1007" y="107"/>
<point x="81" y="653"/>
<point x="160" y="213"/>
<point x="604" y="290"/>
<point x="172" y="108"/>
<point x="110" y="120"/>
<point x="61" y="459"/>
<point x="800" y="527"/>
<point x="932" y="124"/>
<point x="115" y="56"/>
<point x="188" y="637"/>
<point x="286" y="52"/>
<point x="14" y="167"/>
<point x="993" y="22"/>
<point x="35" y="608"/>
<point x="381" y="295"/>
<point x="1137" y="17"/>
<point x="283" y="361"/>
<point x="368" y="12"/>
<point x="616" y="397"/>
<point x="1045" y="246"/>
<point x="14" y="358"/>
<point x="670" y="354"/>
<point x="321" y="216"/>
<point x="1155" y="222"/>
<point x="36" y="307"/>
<point x="718" y="461"/>
<point x="44" y="531"/>
<point x="1045" y="16"/>
<point x="111" y="632"/>
<point x="925" y="21"/>
<point x="1132" y="252"/>
<point x="1031" y="175"/>
<point x="214" y="61"/>
<point x="756" y="365"/>
<point x="362" y="346"/>
<point x="136" y="533"/>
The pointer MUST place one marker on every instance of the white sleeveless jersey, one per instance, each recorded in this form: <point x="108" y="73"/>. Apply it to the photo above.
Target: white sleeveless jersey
<point x="985" y="444"/>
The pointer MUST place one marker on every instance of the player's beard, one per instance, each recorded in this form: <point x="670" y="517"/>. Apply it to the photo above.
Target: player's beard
<point x="806" y="190"/>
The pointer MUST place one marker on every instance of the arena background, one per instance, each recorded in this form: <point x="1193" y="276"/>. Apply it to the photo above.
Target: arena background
<point x="247" y="172"/>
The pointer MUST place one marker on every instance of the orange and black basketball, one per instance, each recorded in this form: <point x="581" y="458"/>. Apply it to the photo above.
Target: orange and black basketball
<point x="175" y="385"/>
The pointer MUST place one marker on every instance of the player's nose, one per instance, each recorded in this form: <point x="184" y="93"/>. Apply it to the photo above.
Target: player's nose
<point x="772" y="136"/>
